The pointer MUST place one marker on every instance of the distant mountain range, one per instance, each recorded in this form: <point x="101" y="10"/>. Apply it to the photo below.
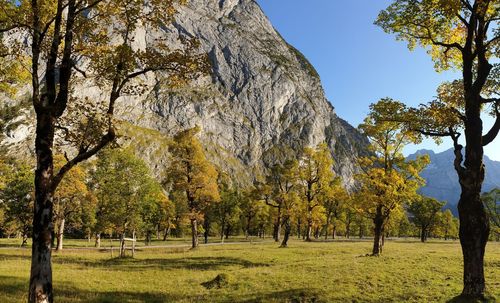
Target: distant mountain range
<point x="442" y="180"/>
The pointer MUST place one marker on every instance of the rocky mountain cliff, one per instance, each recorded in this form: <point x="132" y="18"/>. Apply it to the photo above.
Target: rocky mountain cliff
<point x="262" y="103"/>
<point x="442" y="180"/>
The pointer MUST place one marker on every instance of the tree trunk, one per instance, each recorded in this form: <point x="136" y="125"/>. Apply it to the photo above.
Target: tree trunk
<point x="122" y="245"/>
<point x="60" y="235"/>
<point x="309" y="228"/>
<point x="166" y="232"/>
<point x="378" y="231"/>
<point x="222" y="227"/>
<point x="348" y="229"/>
<point x="326" y="226"/>
<point x="334" y="232"/>
<point x="194" y="233"/>
<point x="423" y="234"/>
<point x="40" y="290"/>
<point x="206" y="227"/>
<point x="133" y="243"/>
<point x="288" y="229"/>
<point x="474" y="232"/>
<point x="474" y="223"/>
<point x="228" y="230"/>
<point x="299" y="229"/>
<point x="277" y="227"/>
<point x="247" y="229"/>
<point x="24" y="243"/>
<point x="98" y="240"/>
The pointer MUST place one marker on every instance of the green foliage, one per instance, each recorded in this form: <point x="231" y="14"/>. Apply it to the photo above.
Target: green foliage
<point x="448" y="225"/>
<point x="491" y="201"/>
<point x="228" y="211"/>
<point x="16" y="199"/>
<point x="425" y="213"/>
<point x="128" y="196"/>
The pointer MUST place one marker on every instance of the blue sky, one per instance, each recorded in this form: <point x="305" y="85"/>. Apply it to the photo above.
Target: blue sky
<point x="358" y="62"/>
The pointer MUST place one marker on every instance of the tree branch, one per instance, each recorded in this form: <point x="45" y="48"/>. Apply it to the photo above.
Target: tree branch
<point x="493" y="132"/>
<point x="82" y="156"/>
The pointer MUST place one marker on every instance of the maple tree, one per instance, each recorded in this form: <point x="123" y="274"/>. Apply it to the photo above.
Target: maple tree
<point x="128" y="197"/>
<point x="388" y="180"/>
<point x="460" y="34"/>
<point x="192" y="175"/>
<point x="315" y="173"/>
<point x="69" y="198"/>
<point x="425" y="214"/>
<point x="68" y="40"/>
<point x="17" y="197"/>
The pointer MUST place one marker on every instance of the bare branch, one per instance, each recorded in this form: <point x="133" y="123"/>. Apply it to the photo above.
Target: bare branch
<point x="495" y="129"/>
<point x="82" y="156"/>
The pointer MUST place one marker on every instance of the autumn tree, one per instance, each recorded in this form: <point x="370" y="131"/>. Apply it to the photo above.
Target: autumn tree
<point x="315" y="173"/>
<point x="227" y="211"/>
<point x="181" y="213"/>
<point x="425" y="214"/>
<point x="68" y="199"/>
<point x="283" y="182"/>
<point x="255" y="211"/>
<point x="388" y="179"/>
<point x="87" y="215"/>
<point x="334" y="198"/>
<point x="263" y="191"/>
<point x="155" y="209"/>
<point x="349" y="218"/>
<point x="448" y="225"/>
<point x="165" y="216"/>
<point x="461" y="34"/>
<point x="250" y="209"/>
<point x="191" y="174"/>
<point x="70" y="39"/>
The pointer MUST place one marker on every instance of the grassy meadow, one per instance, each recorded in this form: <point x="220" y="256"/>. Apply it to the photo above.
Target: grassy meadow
<point x="337" y="271"/>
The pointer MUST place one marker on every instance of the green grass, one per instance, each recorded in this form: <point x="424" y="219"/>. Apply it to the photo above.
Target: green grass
<point x="261" y="272"/>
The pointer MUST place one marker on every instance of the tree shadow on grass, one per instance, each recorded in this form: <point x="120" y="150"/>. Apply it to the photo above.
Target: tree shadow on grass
<point x="13" y="289"/>
<point x="290" y="295"/>
<point x="191" y="263"/>
<point x="465" y="299"/>
<point x="12" y="286"/>
<point x="14" y="257"/>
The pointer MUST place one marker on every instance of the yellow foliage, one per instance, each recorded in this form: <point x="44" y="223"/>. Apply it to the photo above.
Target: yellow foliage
<point x="191" y="173"/>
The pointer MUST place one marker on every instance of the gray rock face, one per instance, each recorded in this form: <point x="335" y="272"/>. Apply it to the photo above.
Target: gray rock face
<point x="262" y="104"/>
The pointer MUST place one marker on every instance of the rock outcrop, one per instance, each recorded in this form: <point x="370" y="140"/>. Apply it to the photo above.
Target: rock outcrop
<point x="262" y="103"/>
